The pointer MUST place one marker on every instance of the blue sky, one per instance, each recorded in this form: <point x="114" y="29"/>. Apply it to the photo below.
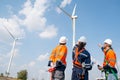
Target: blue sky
<point x="39" y="24"/>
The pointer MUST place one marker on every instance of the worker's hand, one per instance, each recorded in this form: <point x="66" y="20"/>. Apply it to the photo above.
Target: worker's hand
<point x="93" y="62"/>
<point x="100" y="67"/>
<point x="52" y="65"/>
<point x="51" y="69"/>
<point x="100" y="45"/>
<point x="83" y="64"/>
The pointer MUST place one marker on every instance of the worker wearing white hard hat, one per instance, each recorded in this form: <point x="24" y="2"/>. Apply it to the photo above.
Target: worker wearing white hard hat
<point x="57" y="60"/>
<point x="109" y="60"/>
<point x="81" y="60"/>
<point x="82" y="39"/>
<point x="63" y="39"/>
<point x="108" y="41"/>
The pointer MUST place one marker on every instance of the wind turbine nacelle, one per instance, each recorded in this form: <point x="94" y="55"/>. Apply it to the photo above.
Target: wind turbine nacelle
<point x="74" y="17"/>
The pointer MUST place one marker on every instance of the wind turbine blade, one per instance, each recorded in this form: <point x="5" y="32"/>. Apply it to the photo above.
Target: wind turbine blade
<point x="9" y="32"/>
<point x="64" y="11"/>
<point x="73" y="13"/>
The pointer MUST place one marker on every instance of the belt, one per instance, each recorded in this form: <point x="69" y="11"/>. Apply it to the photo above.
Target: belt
<point x="78" y="66"/>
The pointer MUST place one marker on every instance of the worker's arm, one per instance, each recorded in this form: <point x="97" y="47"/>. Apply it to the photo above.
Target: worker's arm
<point x="88" y="64"/>
<point x="49" y="63"/>
<point x="73" y="52"/>
<point x="51" y="58"/>
<point x="101" y="46"/>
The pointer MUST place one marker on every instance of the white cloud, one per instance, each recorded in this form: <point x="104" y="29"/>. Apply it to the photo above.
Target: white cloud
<point x="6" y="56"/>
<point x="44" y="74"/>
<point x="34" y="18"/>
<point x="34" y="14"/>
<point x="49" y="32"/>
<point x="31" y="64"/>
<point x="13" y="26"/>
<point x="42" y="57"/>
<point x="65" y="2"/>
<point x="31" y="16"/>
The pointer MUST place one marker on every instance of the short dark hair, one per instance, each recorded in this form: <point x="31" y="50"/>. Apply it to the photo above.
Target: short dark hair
<point x="81" y="45"/>
<point x="62" y="43"/>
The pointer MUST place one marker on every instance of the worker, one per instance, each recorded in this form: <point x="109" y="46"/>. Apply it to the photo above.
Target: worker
<point x="81" y="60"/>
<point x="57" y="60"/>
<point x="109" y="60"/>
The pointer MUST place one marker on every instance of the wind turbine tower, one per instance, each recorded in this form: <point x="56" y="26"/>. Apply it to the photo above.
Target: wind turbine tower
<point x="12" y="51"/>
<point x="73" y="17"/>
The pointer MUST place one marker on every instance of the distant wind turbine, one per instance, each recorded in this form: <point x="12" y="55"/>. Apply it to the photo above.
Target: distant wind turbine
<point x="73" y="17"/>
<point x="12" y="50"/>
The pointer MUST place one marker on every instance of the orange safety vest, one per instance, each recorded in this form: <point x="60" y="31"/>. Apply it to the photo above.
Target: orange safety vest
<point x="59" y="53"/>
<point x="75" y="61"/>
<point x="110" y="58"/>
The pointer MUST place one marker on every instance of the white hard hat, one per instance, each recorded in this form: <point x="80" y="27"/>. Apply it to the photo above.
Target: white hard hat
<point x="82" y="39"/>
<point x="108" y="41"/>
<point x="63" y="39"/>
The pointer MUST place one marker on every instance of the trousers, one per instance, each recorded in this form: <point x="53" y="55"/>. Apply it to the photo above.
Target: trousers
<point x="77" y="74"/>
<point x="58" y="75"/>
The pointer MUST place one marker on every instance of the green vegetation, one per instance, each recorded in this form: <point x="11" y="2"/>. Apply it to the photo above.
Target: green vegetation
<point x="22" y="75"/>
<point x="1" y="75"/>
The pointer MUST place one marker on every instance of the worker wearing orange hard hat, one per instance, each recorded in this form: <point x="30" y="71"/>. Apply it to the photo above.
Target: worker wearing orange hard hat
<point x="57" y="60"/>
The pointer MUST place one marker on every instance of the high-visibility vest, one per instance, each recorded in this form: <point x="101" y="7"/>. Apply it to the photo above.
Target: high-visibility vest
<point x="59" y="54"/>
<point x="75" y="61"/>
<point x="110" y="58"/>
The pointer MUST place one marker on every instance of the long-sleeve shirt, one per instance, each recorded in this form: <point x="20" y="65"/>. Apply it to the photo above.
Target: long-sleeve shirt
<point x="110" y="57"/>
<point x="59" y="53"/>
<point x="83" y="57"/>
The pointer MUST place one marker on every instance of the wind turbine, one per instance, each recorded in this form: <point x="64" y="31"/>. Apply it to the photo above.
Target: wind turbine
<point x="73" y="17"/>
<point x="12" y="51"/>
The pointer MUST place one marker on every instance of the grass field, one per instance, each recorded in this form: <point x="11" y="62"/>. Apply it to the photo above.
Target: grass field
<point x="8" y="78"/>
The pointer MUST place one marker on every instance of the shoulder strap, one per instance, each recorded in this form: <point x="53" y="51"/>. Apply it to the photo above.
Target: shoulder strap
<point x="77" y="53"/>
<point x="75" y="61"/>
<point x="105" y="56"/>
<point x="107" y="50"/>
<point x="114" y="74"/>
